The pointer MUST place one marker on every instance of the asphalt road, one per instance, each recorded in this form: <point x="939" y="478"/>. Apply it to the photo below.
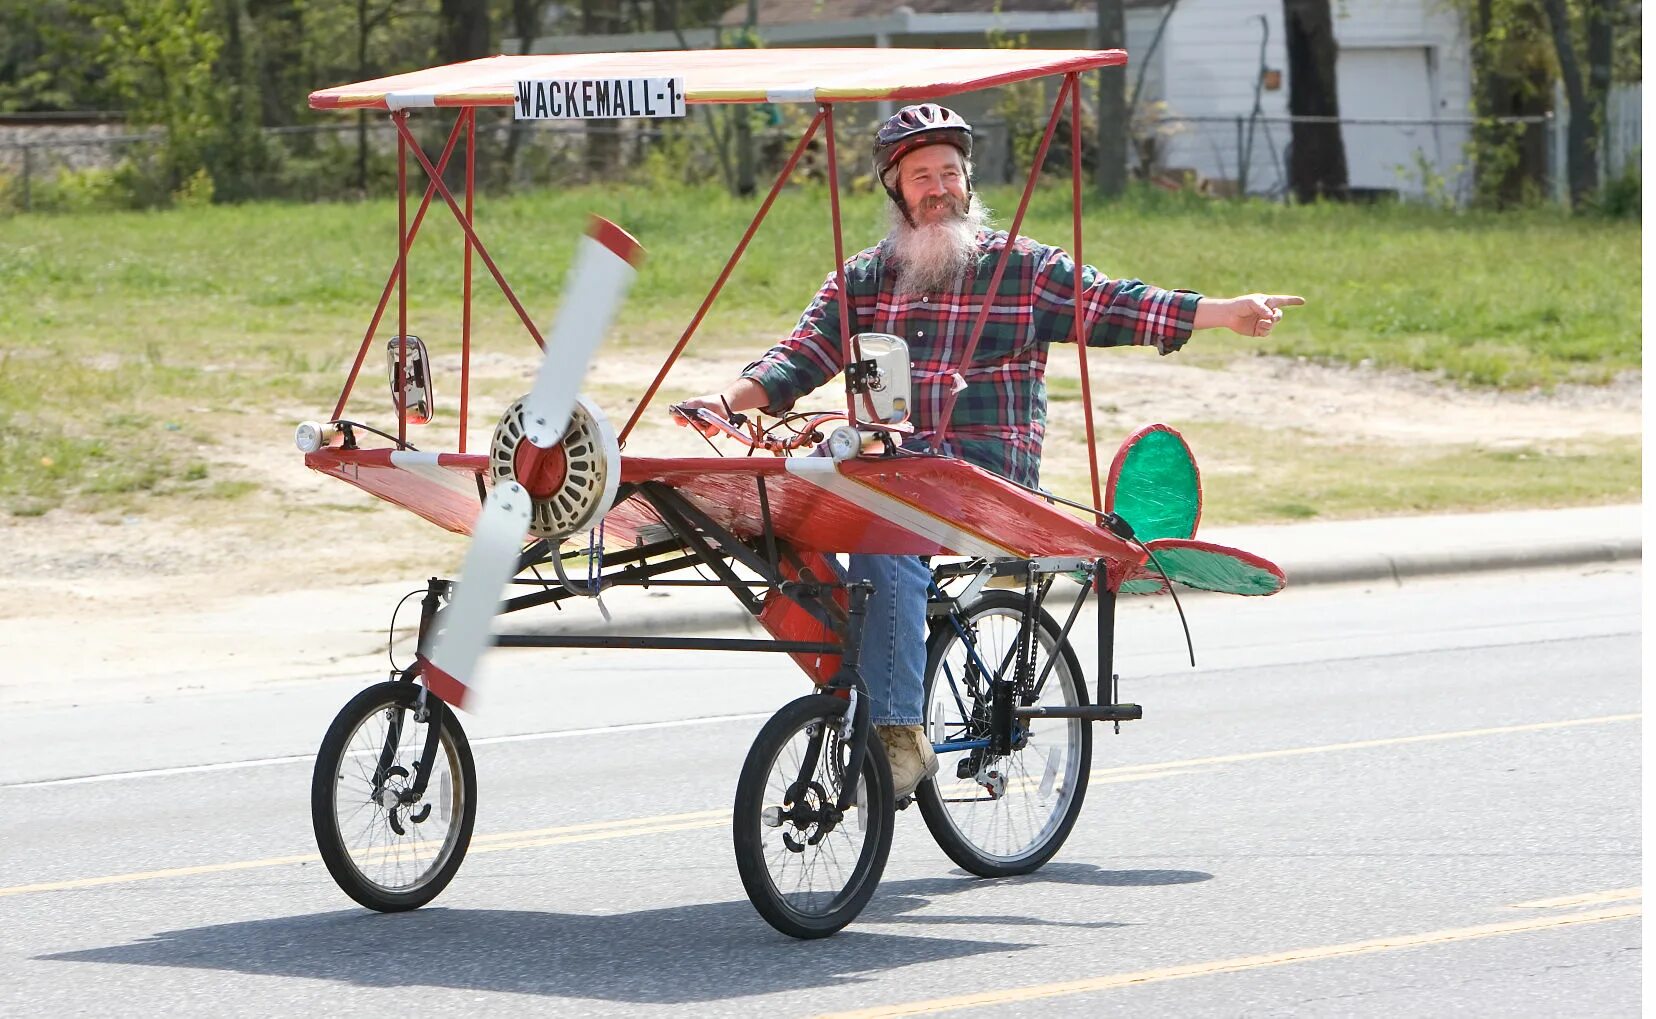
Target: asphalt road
<point x="1367" y="801"/>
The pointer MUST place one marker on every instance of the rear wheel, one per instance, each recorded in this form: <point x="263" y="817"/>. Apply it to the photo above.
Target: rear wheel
<point x="386" y="848"/>
<point x="807" y="869"/>
<point x="1002" y="814"/>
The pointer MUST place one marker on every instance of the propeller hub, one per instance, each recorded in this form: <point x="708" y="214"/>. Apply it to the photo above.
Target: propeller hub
<point x="540" y="471"/>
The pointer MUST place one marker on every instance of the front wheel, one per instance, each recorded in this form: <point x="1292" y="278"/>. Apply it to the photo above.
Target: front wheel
<point x="1002" y="814"/>
<point x="385" y="847"/>
<point x="808" y="869"/>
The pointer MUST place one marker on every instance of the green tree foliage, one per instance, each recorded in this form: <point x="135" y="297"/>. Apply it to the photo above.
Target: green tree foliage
<point x="160" y="56"/>
<point x="1520" y="49"/>
<point x="47" y="58"/>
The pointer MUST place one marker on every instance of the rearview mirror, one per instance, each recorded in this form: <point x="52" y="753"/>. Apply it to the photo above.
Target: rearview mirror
<point x="413" y="399"/>
<point x="881" y="376"/>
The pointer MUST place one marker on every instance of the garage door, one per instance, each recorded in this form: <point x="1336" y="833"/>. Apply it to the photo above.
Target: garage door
<point x="1388" y="82"/>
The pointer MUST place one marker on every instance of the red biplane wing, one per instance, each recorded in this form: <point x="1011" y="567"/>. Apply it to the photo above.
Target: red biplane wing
<point x="906" y="506"/>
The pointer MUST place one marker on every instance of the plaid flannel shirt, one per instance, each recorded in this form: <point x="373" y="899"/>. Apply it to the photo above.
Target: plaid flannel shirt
<point x="999" y="420"/>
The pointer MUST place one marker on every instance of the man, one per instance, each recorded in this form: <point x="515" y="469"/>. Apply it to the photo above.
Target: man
<point x="925" y="283"/>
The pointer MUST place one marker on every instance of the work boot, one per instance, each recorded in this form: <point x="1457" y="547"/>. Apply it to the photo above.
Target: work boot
<point x="911" y="757"/>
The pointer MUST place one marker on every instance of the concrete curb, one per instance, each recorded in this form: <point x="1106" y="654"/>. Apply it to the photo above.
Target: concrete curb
<point x="1397" y="567"/>
<point x="714" y="610"/>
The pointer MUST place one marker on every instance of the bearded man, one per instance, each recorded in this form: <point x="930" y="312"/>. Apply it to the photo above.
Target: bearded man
<point x="925" y="283"/>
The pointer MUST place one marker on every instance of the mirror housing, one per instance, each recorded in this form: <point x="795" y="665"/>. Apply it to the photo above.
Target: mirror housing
<point x="880" y="376"/>
<point x="413" y="400"/>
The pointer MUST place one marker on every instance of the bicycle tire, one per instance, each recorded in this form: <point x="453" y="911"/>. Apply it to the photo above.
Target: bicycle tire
<point x="1022" y="827"/>
<point x="344" y="779"/>
<point x="763" y="857"/>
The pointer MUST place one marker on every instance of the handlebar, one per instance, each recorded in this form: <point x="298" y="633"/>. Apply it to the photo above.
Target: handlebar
<point x="796" y="430"/>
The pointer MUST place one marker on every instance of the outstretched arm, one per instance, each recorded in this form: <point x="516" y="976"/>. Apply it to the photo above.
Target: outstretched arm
<point x="1248" y="315"/>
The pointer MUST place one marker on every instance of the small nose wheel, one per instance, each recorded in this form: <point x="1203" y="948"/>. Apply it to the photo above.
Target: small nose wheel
<point x="384" y="844"/>
<point x="806" y="869"/>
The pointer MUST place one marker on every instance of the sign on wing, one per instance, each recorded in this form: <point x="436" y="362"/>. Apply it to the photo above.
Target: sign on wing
<point x="599" y="98"/>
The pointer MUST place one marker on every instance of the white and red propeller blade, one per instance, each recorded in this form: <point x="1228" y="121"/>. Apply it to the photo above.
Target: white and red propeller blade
<point x="605" y="264"/>
<point x="490" y="562"/>
<point x="604" y="267"/>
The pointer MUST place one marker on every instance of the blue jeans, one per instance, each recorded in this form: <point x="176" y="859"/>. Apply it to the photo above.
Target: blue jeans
<point x="893" y="661"/>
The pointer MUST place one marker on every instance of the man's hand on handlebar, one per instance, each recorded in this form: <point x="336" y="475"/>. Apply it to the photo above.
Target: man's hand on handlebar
<point x="692" y="412"/>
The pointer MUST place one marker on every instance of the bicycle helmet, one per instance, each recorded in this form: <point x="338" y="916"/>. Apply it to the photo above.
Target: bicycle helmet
<point x="910" y="128"/>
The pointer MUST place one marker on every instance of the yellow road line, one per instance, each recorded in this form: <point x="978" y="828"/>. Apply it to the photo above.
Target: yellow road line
<point x="591" y="832"/>
<point x="1237" y="965"/>
<point x="1588" y="899"/>
<point x="155" y="875"/>
<point x="596" y="826"/>
<point x="597" y="830"/>
<point x="1264" y="755"/>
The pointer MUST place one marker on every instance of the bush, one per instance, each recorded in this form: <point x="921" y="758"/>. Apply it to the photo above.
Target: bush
<point x="1620" y="198"/>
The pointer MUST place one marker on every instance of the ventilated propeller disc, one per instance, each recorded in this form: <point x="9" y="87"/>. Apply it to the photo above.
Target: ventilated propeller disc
<point x="591" y="470"/>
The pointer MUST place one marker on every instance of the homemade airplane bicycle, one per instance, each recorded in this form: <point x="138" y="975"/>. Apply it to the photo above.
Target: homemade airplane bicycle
<point x="394" y="792"/>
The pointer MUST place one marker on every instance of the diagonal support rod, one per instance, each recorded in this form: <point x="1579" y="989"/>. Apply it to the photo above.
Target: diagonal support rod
<point x="396" y="274"/>
<point x="436" y="178"/>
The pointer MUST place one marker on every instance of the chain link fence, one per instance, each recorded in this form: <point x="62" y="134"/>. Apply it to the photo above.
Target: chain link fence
<point x="1386" y="157"/>
<point x="48" y="166"/>
<point x="91" y="165"/>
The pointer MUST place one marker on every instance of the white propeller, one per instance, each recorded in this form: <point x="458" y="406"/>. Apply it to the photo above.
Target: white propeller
<point x="604" y="267"/>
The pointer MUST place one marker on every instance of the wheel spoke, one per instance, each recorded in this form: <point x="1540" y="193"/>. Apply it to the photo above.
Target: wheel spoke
<point x="1019" y="828"/>
<point x="819" y="888"/>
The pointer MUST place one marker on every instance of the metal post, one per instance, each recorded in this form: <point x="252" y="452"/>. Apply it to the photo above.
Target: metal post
<point x="1106" y="634"/>
<point x="470" y="116"/>
<point x="1241" y="167"/>
<point x="839" y="261"/>
<point x="397" y="387"/>
<point x="1079" y="317"/>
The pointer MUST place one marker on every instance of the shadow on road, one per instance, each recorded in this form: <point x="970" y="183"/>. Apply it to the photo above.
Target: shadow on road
<point x="705" y="952"/>
<point x="895" y="899"/>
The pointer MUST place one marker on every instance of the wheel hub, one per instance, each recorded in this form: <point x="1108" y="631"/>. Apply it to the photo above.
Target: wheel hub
<point x="808" y="812"/>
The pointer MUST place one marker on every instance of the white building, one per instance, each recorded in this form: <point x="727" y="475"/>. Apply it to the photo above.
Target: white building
<point x="1406" y="62"/>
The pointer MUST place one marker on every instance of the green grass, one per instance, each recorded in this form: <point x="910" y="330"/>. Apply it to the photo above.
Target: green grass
<point x="116" y="324"/>
<point x="1516" y="299"/>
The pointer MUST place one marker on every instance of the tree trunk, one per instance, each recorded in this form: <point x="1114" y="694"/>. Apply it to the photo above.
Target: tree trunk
<point x="526" y="17"/>
<point x="602" y="141"/>
<point x="1112" y="103"/>
<point x="742" y="119"/>
<point x="231" y="181"/>
<point x="464" y="30"/>
<point x="1491" y="173"/>
<point x="1585" y="93"/>
<point x="1600" y="19"/>
<point x="362" y="115"/>
<point x="462" y="34"/>
<point x="279" y="59"/>
<point x="1317" y="162"/>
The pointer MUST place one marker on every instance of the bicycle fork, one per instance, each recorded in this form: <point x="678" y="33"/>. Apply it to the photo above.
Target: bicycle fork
<point x="428" y="709"/>
<point x="855" y="728"/>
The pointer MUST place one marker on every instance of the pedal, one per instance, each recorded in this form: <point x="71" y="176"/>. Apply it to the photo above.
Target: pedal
<point x="993" y="782"/>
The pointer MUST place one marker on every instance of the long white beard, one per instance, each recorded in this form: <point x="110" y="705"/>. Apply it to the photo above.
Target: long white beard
<point x="934" y="257"/>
